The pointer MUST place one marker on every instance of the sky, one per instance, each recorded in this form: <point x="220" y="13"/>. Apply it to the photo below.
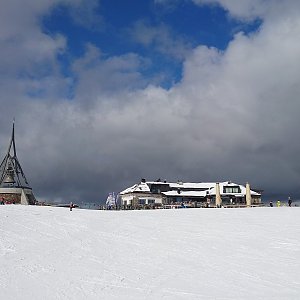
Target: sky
<point x="105" y="93"/>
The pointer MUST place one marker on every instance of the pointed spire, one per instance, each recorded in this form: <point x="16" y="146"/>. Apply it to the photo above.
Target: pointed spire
<point x="12" y="141"/>
<point x="13" y="137"/>
<point x="11" y="172"/>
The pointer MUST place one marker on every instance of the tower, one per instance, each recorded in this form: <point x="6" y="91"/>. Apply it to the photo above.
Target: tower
<point x="14" y="187"/>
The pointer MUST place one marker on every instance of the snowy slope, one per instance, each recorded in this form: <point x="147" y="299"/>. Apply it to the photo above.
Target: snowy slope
<point x="52" y="253"/>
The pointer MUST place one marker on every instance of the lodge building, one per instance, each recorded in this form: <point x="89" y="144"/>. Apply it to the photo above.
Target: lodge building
<point x="202" y="194"/>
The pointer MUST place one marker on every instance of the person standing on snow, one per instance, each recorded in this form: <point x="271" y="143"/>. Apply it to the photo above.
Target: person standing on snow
<point x="290" y="202"/>
<point x="278" y="203"/>
<point x="71" y="206"/>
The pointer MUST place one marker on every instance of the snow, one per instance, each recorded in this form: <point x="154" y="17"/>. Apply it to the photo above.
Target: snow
<point x="52" y="253"/>
<point x="185" y="193"/>
<point x="141" y="187"/>
<point x="203" y="188"/>
<point x="222" y="184"/>
<point x="192" y="185"/>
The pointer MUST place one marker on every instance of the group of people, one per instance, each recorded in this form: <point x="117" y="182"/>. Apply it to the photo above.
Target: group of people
<point x="3" y="201"/>
<point x="278" y="203"/>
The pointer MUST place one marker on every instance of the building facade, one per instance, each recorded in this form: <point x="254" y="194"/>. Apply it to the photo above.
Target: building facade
<point x="202" y="194"/>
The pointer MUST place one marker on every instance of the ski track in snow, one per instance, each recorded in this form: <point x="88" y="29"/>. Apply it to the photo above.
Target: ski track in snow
<point x="52" y="253"/>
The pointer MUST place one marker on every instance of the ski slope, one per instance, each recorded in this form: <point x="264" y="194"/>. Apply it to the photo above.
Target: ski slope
<point x="52" y="253"/>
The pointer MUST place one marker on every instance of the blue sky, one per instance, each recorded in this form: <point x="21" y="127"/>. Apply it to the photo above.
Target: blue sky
<point x="107" y="92"/>
<point x="116" y="24"/>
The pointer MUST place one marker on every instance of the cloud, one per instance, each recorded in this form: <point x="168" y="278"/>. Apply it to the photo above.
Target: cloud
<point x="247" y="9"/>
<point x="252" y="9"/>
<point x="233" y="116"/>
<point x="85" y="13"/>
<point x="99" y="76"/>
<point x="167" y="5"/>
<point x="161" y="39"/>
<point x="245" y="101"/>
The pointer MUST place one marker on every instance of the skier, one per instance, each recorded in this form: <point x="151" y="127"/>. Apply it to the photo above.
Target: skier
<point x="290" y="202"/>
<point x="278" y="203"/>
<point x="71" y="206"/>
<point x="271" y="203"/>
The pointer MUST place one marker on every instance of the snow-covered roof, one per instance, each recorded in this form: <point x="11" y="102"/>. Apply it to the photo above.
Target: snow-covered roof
<point x="157" y="182"/>
<point x="242" y="187"/>
<point x="191" y="185"/>
<point x="185" y="185"/>
<point x="185" y="193"/>
<point x="141" y="187"/>
<point x="204" y="188"/>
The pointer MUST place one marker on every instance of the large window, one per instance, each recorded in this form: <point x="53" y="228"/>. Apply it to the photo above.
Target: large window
<point x="231" y="189"/>
<point x="158" y="188"/>
<point x="155" y="190"/>
<point x="151" y="201"/>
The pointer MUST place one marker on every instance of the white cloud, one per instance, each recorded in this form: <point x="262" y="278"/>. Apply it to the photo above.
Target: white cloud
<point x="242" y="9"/>
<point x="251" y="9"/>
<point x="161" y="38"/>
<point x="85" y="13"/>
<point x="99" y="76"/>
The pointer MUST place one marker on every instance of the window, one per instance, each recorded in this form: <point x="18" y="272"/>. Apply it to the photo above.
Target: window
<point x="155" y="190"/>
<point x="179" y="199"/>
<point x="151" y="201"/>
<point x="158" y="188"/>
<point x="142" y="201"/>
<point x="231" y="189"/>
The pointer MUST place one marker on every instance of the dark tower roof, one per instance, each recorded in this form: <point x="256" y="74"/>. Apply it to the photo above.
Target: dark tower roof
<point x="11" y="173"/>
